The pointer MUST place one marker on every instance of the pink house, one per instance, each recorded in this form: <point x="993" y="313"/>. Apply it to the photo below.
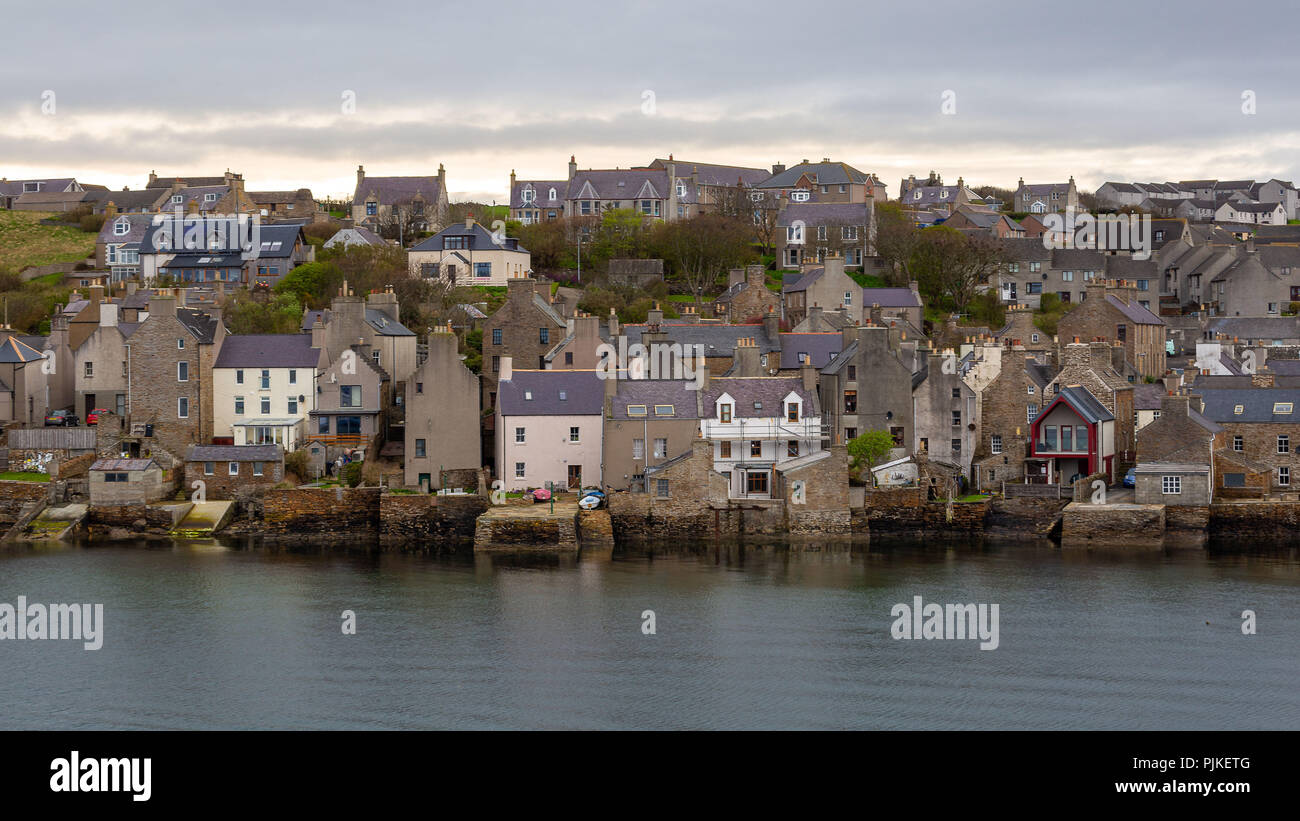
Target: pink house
<point x="548" y="428"/>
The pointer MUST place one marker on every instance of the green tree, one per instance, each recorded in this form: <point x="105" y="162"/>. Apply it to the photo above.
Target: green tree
<point x="868" y="448"/>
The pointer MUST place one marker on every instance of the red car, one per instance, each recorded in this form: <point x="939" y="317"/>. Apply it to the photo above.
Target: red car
<point x="92" y="417"/>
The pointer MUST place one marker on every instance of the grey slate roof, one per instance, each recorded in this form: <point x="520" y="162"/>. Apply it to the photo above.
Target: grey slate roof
<point x="1134" y="312"/>
<point x="767" y="391"/>
<point x="384" y="326"/>
<point x="201" y="325"/>
<point x="480" y="239"/>
<point x="232" y="453"/>
<point x="651" y="392"/>
<point x="1256" y="403"/>
<point x="718" y="340"/>
<point x="890" y="298"/>
<point x="268" y="351"/>
<point x="541" y="193"/>
<point x="1085" y="404"/>
<point x="584" y="393"/>
<point x="1148" y="397"/>
<point x="396" y="190"/>
<point x="824" y="213"/>
<point x="821" y="347"/>
<point x="1255" y="327"/>
<point x="823" y="173"/>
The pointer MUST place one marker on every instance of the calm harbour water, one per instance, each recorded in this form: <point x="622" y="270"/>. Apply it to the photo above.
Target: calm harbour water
<point x="205" y="636"/>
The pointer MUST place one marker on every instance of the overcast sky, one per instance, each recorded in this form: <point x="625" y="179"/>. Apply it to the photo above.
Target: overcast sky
<point x="1095" y="90"/>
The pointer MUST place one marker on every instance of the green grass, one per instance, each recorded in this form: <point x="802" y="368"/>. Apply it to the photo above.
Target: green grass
<point x="866" y="280"/>
<point x="18" y="476"/>
<point x="974" y="497"/>
<point x="24" y="242"/>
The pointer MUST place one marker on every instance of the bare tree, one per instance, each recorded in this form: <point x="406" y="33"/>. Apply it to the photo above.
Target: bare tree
<point x="702" y="247"/>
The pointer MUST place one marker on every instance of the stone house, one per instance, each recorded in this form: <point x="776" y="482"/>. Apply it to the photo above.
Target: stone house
<point x="23" y="381"/>
<point x="1046" y="198"/>
<point x="868" y="386"/>
<point x="904" y="303"/>
<point x="266" y="389"/>
<point x="443" y="416"/>
<point x="1180" y="442"/>
<point x="1258" y="437"/>
<point x="525" y="329"/>
<point x="99" y="363"/>
<point x="1250" y="286"/>
<point x="819" y="182"/>
<point x="1091" y="366"/>
<point x="647" y="422"/>
<point x="298" y="204"/>
<point x="469" y="254"/>
<point x="828" y="288"/>
<point x="128" y="482"/>
<point x="373" y="323"/>
<point x="417" y="201"/>
<point x="233" y="471"/>
<point x="809" y="232"/>
<point x="944" y="411"/>
<point x="352" y="394"/>
<point x="549" y="427"/>
<point x="1021" y="330"/>
<point x="169" y="365"/>
<point x="1112" y="314"/>
<point x="533" y="201"/>
<point x="703" y="187"/>
<point x="747" y="298"/>
<point x="1009" y="403"/>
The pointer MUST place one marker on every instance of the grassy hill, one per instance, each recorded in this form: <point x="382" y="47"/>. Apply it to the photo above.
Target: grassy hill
<point x="25" y="242"/>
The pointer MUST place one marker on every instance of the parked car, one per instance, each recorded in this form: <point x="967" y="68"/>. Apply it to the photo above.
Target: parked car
<point x="92" y="417"/>
<point x="1130" y="478"/>
<point x="61" y="418"/>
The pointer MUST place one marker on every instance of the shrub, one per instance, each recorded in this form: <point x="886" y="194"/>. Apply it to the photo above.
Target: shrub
<point x="351" y="474"/>
<point x="91" y="223"/>
<point x="296" y="463"/>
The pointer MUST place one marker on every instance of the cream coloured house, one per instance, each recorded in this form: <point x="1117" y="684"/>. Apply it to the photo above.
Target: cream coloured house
<point x="469" y="254"/>
<point x="264" y="387"/>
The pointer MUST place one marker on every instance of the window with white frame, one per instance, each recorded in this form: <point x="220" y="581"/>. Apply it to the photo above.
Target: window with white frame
<point x="1171" y="485"/>
<point x="996" y="444"/>
<point x="1284" y="476"/>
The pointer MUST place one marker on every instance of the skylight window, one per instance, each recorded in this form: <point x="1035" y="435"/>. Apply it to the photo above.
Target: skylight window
<point x="1282" y="407"/>
<point x="1238" y="409"/>
<point x="636" y="410"/>
<point x="528" y="395"/>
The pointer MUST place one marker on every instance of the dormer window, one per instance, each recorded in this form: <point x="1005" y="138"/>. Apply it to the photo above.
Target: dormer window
<point x="121" y="228"/>
<point x="792" y="412"/>
<point x="681" y="190"/>
<point x="799" y="196"/>
<point x="177" y="199"/>
<point x="529" y="196"/>
<point x="31" y="187"/>
<point x="209" y="197"/>
<point x="552" y="193"/>
<point x="724" y="413"/>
